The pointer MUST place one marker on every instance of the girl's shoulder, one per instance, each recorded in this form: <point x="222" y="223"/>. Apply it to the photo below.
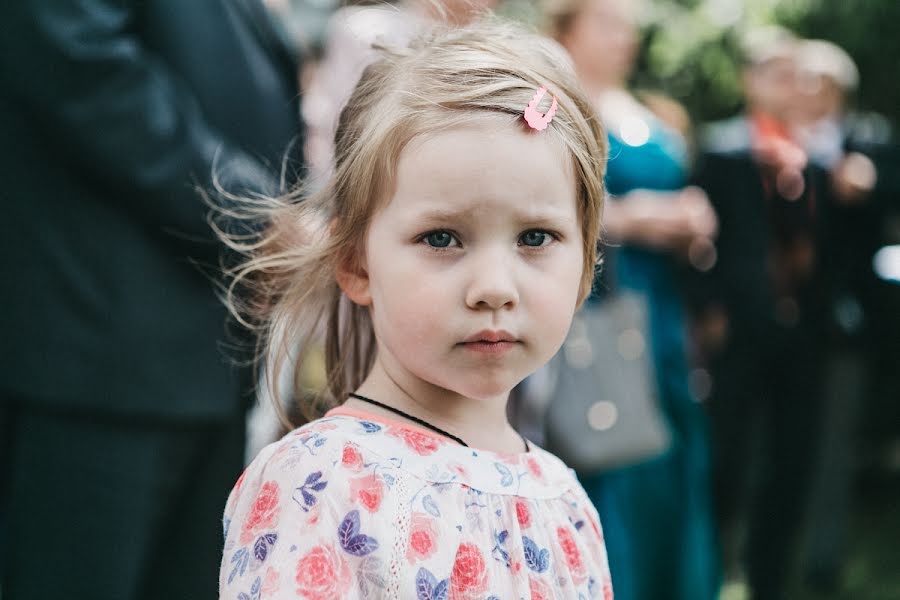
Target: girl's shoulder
<point x="308" y="502"/>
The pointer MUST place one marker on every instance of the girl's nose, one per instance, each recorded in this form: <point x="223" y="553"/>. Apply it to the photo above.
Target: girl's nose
<point x="492" y="283"/>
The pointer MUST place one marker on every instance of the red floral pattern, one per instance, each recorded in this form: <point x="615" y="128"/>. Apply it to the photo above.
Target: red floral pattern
<point x="539" y="589"/>
<point x="351" y="458"/>
<point x="322" y="574"/>
<point x="368" y="491"/>
<point x="573" y="557"/>
<point x="468" y="580"/>
<point x="264" y="513"/>
<point x="523" y="515"/>
<point x="423" y="537"/>
<point x="420" y="443"/>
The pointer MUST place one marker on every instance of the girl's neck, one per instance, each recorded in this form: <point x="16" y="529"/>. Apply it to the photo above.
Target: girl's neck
<point x="481" y="423"/>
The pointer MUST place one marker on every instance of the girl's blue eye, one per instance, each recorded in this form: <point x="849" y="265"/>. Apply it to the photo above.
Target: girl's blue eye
<point x="535" y="238"/>
<point x="439" y="239"/>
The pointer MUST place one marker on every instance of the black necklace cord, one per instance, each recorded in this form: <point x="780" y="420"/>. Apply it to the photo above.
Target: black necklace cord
<point x="423" y="423"/>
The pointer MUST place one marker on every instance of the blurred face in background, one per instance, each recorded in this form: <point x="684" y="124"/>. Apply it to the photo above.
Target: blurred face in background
<point x="602" y="41"/>
<point x="460" y="12"/>
<point x="821" y="97"/>
<point x="772" y="87"/>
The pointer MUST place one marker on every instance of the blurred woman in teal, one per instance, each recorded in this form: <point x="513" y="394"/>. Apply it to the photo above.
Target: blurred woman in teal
<point x="657" y="514"/>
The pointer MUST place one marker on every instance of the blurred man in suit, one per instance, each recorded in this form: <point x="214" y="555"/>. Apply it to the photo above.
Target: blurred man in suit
<point x="124" y="412"/>
<point x="764" y="300"/>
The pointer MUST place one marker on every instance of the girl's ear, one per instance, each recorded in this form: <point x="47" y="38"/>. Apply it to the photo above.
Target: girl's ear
<point x="353" y="279"/>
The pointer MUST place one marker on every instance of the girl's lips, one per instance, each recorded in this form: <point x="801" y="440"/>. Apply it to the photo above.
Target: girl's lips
<point x="485" y="347"/>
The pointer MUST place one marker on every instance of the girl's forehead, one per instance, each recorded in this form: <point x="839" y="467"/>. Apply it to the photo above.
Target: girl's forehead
<point x="482" y="165"/>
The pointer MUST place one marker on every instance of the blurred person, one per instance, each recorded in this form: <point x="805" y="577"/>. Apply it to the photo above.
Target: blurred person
<point x="350" y="40"/>
<point x="767" y="295"/>
<point x="657" y="514"/>
<point x="850" y="148"/>
<point x="460" y="237"/>
<point x="126" y="414"/>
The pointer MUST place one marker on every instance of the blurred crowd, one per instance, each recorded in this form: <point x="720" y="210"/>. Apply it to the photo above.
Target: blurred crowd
<point x="764" y="246"/>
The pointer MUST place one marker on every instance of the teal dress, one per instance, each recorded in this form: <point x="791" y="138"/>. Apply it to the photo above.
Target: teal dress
<point x="657" y="515"/>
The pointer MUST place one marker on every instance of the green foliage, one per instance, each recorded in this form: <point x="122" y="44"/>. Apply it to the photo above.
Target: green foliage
<point x="691" y="49"/>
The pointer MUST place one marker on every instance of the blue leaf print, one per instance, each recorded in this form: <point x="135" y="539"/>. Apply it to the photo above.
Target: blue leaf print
<point x="499" y="551"/>
<point x="506" y="477"/>
<point x="544" y="560"/>
<point x="319" y="442"/>
<point x="361" y="545"/>
<point x="314" y="483"/>
<point x="429" y="505"/>
<point x="370" y="427"/>
<point x="428" y="587"/>
<point x="243" y="596"/>
<point x="537" y="559"/>
<point x="579" y="525"/>
<point x="226" y="523"/>
<point x="261" y="547"/>
<point x="440" y="591"/>
<point x="425" y="583"/>
<point x="255" y="588"/>
<point x="388" y="479"/>
<point x="239" y="560"/>
<point x="349" y="528"/>
<point x="351" y="540"/>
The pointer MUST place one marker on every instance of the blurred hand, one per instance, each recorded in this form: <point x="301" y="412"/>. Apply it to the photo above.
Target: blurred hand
<point x="854" y="178"/>
<point x="663" y="220"/>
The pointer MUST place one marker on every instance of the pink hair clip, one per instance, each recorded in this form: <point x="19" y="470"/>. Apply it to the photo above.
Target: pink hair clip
<point x="536" y="119"/>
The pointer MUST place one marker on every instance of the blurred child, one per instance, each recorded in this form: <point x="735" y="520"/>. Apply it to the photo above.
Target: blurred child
<point x="457" y="237"/>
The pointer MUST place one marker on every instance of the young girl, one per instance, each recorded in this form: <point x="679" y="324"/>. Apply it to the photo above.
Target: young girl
<point x="458" y="236"/>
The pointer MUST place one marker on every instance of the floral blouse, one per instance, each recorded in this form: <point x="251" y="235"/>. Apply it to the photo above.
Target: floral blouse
<point x="358" y="506"/>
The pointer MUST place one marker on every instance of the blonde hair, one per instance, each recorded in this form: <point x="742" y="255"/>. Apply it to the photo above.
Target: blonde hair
<point x="285" y="288"/>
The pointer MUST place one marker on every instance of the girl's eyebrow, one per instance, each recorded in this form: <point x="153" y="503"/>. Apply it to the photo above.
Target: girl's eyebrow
<point x="443" y="214"/>
<point x="471" y="213"/>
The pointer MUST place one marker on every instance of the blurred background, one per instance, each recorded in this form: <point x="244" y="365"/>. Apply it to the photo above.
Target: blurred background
<point x="698" y="53"/>
<point x="784" y="114"/>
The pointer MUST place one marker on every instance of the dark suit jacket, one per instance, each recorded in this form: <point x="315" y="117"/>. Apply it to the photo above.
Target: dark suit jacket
<point x="752" y="220"/>
<point x="110" y="111"/>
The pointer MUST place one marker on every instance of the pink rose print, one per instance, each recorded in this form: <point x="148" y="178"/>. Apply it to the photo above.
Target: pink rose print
<point x="607" y="590"/>
<point x="270" y="583"/>
<point x="539" y="589"/>
<point x="417" y="441"/>
<point x="368" y="491"/>
<point x="523" y="514"/>
<point x="322" y="574"/>
<point x="351" y="458"/>
<point x="534" y="467"/>
<point x="573" y="557"/>
<point x="468" y="580"/>
<point x="264" y="513"/>
<point x="423" y="538"/>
